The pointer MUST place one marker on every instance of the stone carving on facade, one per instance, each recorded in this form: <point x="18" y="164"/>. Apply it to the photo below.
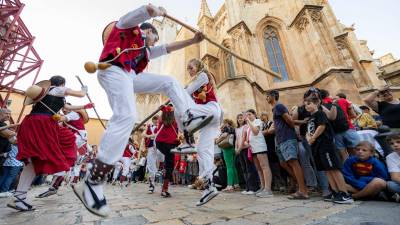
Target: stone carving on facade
<point x="250" y="2"/>
<point x="154" y="99"/>
<point x="316" y="15"/>
<point x="140" y="98"/>
<point x="341" y="41"/>
<point x="302" y="23"/>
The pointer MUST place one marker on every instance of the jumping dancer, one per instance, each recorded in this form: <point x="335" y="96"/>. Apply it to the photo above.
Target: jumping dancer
<point x="202" y="89"/>
<point x="120" y="81"/>
<point x="44" y="145"/>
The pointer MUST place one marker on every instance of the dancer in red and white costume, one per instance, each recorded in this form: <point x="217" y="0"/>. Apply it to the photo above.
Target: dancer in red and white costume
<point x="167" y="139"/>
<point x="75" y="121"/>
<point x="44" y="145"/>
<point x="153" y="154"/>
<point x="124" y="78"/>
<point x="124" y="163"/>
<point x="202" y="89"/>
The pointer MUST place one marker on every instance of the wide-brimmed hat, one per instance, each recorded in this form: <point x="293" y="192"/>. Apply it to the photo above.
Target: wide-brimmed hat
<point x="107" y="30"/>
<point x="36" y="92"/>
<point x="84" y="115"/>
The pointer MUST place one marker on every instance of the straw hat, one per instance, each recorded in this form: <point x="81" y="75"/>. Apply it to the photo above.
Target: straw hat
<point x="84" y="115"/>
<point x="107" y="30"/>
<point x="36" y="92"/>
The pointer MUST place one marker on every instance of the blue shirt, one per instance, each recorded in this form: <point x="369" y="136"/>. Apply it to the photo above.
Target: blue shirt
<point x="11" y="159"/>
<point x="359" y="173"/>
<point x="283" y="132"/>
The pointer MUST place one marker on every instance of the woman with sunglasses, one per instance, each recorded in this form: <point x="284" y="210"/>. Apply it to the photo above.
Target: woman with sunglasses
<point x="387" y="107"/>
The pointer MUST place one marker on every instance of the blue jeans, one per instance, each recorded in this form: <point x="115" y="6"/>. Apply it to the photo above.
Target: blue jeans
<point x="305" y="158"/>
<point x="8" y="177"/>
<point x="393" y="187"/>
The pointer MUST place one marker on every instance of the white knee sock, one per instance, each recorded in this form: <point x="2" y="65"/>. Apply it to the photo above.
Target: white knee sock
<point x="25" y="182"/>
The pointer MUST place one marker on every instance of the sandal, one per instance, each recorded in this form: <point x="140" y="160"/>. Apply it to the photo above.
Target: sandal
<point x="298" y="196"/>
<point x="228" y="189"/>
<point x="99" y="207"/>
<point x="13" y="204"/>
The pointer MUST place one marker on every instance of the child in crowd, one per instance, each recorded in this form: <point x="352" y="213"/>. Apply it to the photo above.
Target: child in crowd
<point x="365" y="175"/>
<point x="321" y="138"/>
<point x="182" y="169"/>
<point x="393" y="164"/>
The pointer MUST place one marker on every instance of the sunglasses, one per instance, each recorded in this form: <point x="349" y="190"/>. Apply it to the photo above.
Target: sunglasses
<point x="384" y="93"/>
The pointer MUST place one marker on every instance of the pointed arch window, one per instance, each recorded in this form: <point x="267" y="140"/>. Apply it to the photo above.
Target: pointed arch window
<point x="274" y="53"/>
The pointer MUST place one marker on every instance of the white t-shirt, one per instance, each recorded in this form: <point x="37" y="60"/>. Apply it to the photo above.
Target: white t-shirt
<point x="239" y="135"/>
<point x="393" y="162"/>
<point x="257" y="142"/>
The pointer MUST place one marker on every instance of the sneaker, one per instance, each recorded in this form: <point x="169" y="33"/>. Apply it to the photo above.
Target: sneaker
<point x="396" y="197"/>
<point x="207" y="195"/>
<point x="151" y="189"/>
<point x="100" y="208"/>
<point x="383" y="196"/>
<point x="5" y="194"/>
<point x="265" y="194"/>
<point x="165" y="194"/>
<point x="250" y="193"/>
<point x="259" y="190"/>
<point x="184" y="149"/>
<point x="329" y="197"/>
<point x="244" y="192"/>
<point x="193" y="124"/>
<point x="343" y="198"/>
<point x="51" y="191"/>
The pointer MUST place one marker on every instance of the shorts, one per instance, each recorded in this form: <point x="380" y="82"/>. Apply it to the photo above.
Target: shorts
<point x="287" y="150"/>
<point x="326" y="157"/>
<point x="347" y="139"/>
<point x="259" y="153"/>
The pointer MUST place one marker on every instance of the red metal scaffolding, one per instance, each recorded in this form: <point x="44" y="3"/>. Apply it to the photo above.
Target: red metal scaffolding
<point x="18" y="58"/>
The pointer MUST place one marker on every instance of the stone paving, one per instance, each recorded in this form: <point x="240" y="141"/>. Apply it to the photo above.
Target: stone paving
<point x="133" y="205"/>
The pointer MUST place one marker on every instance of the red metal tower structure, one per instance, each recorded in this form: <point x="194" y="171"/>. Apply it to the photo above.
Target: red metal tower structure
<point x="18" y="58"/>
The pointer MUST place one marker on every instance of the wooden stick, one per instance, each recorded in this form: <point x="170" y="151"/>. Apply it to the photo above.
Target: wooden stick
<point x="90" y="100"/>
<point x="9" y="126"/>
<point x="149" y="117"/>
<point x="227" y="50"/>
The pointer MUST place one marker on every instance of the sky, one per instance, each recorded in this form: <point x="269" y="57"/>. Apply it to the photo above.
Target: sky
<point x="68" y="32"/>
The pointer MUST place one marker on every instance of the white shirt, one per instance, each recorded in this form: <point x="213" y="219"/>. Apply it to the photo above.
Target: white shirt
<point x="257" y="142"/>
<point x="133" y="19"/>
<point x="239" y="136"/>
<point x="197" y="83"/>
<point x="393" y="162"/>
<point x="57" y="91"/>
<point x="72" y="116"/>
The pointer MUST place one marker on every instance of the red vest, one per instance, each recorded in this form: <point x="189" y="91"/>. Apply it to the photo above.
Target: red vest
<point x="127" y="152"/>
<point x="121" y="39"/>
<point x="167" y="134"/>
<point x="78" y="124"/>
<point x="210" y="95"/>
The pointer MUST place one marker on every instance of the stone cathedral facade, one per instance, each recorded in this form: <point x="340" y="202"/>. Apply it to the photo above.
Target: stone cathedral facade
<point x="302" y="40"/>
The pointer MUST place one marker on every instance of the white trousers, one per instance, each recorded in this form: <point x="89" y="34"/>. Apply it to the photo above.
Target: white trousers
<point x="75" y="171"/>
<point x="120" y="87"/>
<point x="205" y="146"/>
<point x="123" y="164"/>
<point x="154" y="156"/>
